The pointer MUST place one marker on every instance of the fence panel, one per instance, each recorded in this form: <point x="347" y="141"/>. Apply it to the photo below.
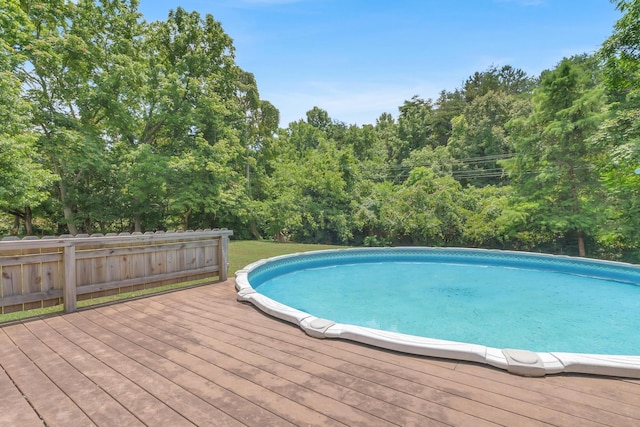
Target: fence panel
<point x="43" y="272"/>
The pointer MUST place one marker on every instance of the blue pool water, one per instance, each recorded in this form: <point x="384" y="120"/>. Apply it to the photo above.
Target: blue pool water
<point x="533" y="304"/>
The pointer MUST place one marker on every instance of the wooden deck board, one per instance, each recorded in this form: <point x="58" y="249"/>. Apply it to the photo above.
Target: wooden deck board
<point x="10" y="397"/>
<point x="254" y="385"/>
<point x="497" y="400"/>
<point x="199" y="357"/>
<point x="98" y="405"/>
<point x="46" y="399"/>
<point x="192" y="407"/>
<point x="180" y="380"/>
<point x="337" y="399"/>
<point x="147" y="408"/>
<point x="398" y="391"/>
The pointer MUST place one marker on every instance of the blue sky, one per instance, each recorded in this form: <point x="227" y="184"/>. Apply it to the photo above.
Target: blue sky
<point x="357" y="59"/>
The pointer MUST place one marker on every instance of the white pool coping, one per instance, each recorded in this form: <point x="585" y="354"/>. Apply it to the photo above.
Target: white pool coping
<point x="520" y="362"/>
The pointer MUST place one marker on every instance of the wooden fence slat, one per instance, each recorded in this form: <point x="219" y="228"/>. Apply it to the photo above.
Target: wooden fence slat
<point x="11" y="280"/>
<point x="52" y="275"/>
<point x="150" y="263"/>
<point x="98" y="270"/>
<point x="190" y="258"/>
<point x="223" y="254"/>
<point x="138" y="264"/>
<point x="83" y="271"/>
<point x="113" y="268"/>
<point x="172" y="262"/>
<point x="70" y="288"/>
<point x="181" y="257"/>
<point x="190" y="275"/>
<point x="210" y="255"/>
<point x="31" y="277"/>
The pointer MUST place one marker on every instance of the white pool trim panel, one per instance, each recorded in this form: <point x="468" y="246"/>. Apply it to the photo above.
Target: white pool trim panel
<point x="521" y="362"/>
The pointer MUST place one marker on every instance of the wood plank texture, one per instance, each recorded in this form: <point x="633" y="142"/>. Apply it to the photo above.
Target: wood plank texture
<point x="199" y="357"/>
<point x="34" y="272"/>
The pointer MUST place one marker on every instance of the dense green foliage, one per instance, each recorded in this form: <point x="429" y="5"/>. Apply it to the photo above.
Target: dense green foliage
<point x="110" y="123"/>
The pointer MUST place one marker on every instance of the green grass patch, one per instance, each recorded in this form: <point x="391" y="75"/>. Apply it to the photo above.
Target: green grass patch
<point x="241" y="254"/>
<point x="244" y="252"/>
<point x="21" y="315"/>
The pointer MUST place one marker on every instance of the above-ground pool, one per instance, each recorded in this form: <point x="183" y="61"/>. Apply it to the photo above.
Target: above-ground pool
<point x="530" y="314"/>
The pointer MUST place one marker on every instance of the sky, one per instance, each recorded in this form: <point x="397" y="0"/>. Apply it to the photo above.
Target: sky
<point x="357" y="59"/>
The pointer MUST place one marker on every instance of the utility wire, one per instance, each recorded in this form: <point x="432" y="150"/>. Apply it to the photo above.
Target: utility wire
<point x="401" y="171"/>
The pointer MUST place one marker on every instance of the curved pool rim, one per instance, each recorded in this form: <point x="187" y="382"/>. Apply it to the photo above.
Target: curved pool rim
<point x="516" y="361"/>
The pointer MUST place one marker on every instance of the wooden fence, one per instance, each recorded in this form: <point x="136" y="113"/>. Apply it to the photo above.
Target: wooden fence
<point x="42" y="272"/>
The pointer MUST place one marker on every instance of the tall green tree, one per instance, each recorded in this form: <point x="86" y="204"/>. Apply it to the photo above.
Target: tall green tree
<point x="376" y="215"/>
<point x="24" y="180"/>
<point x="433" y="208"/>
<point x="553" y="171"/>
<point x="480" y="136"/>
<point x="415" y="128"/>
<point x="260" y="121"/>
<point x="53" y="80"/>
<point x="448" y="105"/>
<point x="619" y="135"/>
<point x="620" y="51"/>
<point x="505" y="79"/>
<point x="310" y="196"/>
<point x="79" y="82"/>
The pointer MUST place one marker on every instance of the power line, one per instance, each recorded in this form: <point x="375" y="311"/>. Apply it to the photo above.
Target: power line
<point x="401" y="171"/>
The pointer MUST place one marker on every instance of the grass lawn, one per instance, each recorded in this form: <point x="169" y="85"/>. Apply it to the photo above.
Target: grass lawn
<point x="244" y="252"/>
<point x="241" y="253"/>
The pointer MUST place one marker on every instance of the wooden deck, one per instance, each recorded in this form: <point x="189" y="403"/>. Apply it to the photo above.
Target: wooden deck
<point x="198" y="357"/>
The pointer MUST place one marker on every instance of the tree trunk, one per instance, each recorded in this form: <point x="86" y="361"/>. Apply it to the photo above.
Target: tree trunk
<point x="16" y="225"/>
<point x="73" y="230"/>
<point x="581" y="250"/>
<point x="254" y="230"/>
<point x="67" y="211"/>
<point x="247" y="173"/>
<point x="137" y="222"/>
<point x="28" y="221"/>
<point x="186" y="219"/>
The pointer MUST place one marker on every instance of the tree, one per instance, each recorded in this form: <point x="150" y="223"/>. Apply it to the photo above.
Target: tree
<point x="24" y="181"/>
<point x="620" y="51"/>
<point x="79" y="83"/>
<point x="414" y="128"/>
<point x="619" y="135"/>
<point x="376" y="214"/>
<point x="302" y="137"/>
<point x="484" y="218"/>
<point x="432" y="208"/>
<point x="448" y="106"/>
<point x="506" y="79"/>
<point x="553" y="171"/>
<point x="310" y="197"/>
<point x="319" y="119"/>
<point x="260" y="121"/>
<point x="480" y="138"/>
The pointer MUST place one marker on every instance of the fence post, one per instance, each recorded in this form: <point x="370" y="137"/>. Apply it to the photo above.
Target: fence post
<point x="223" y="256"/>
<point x="70" y="296"/>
